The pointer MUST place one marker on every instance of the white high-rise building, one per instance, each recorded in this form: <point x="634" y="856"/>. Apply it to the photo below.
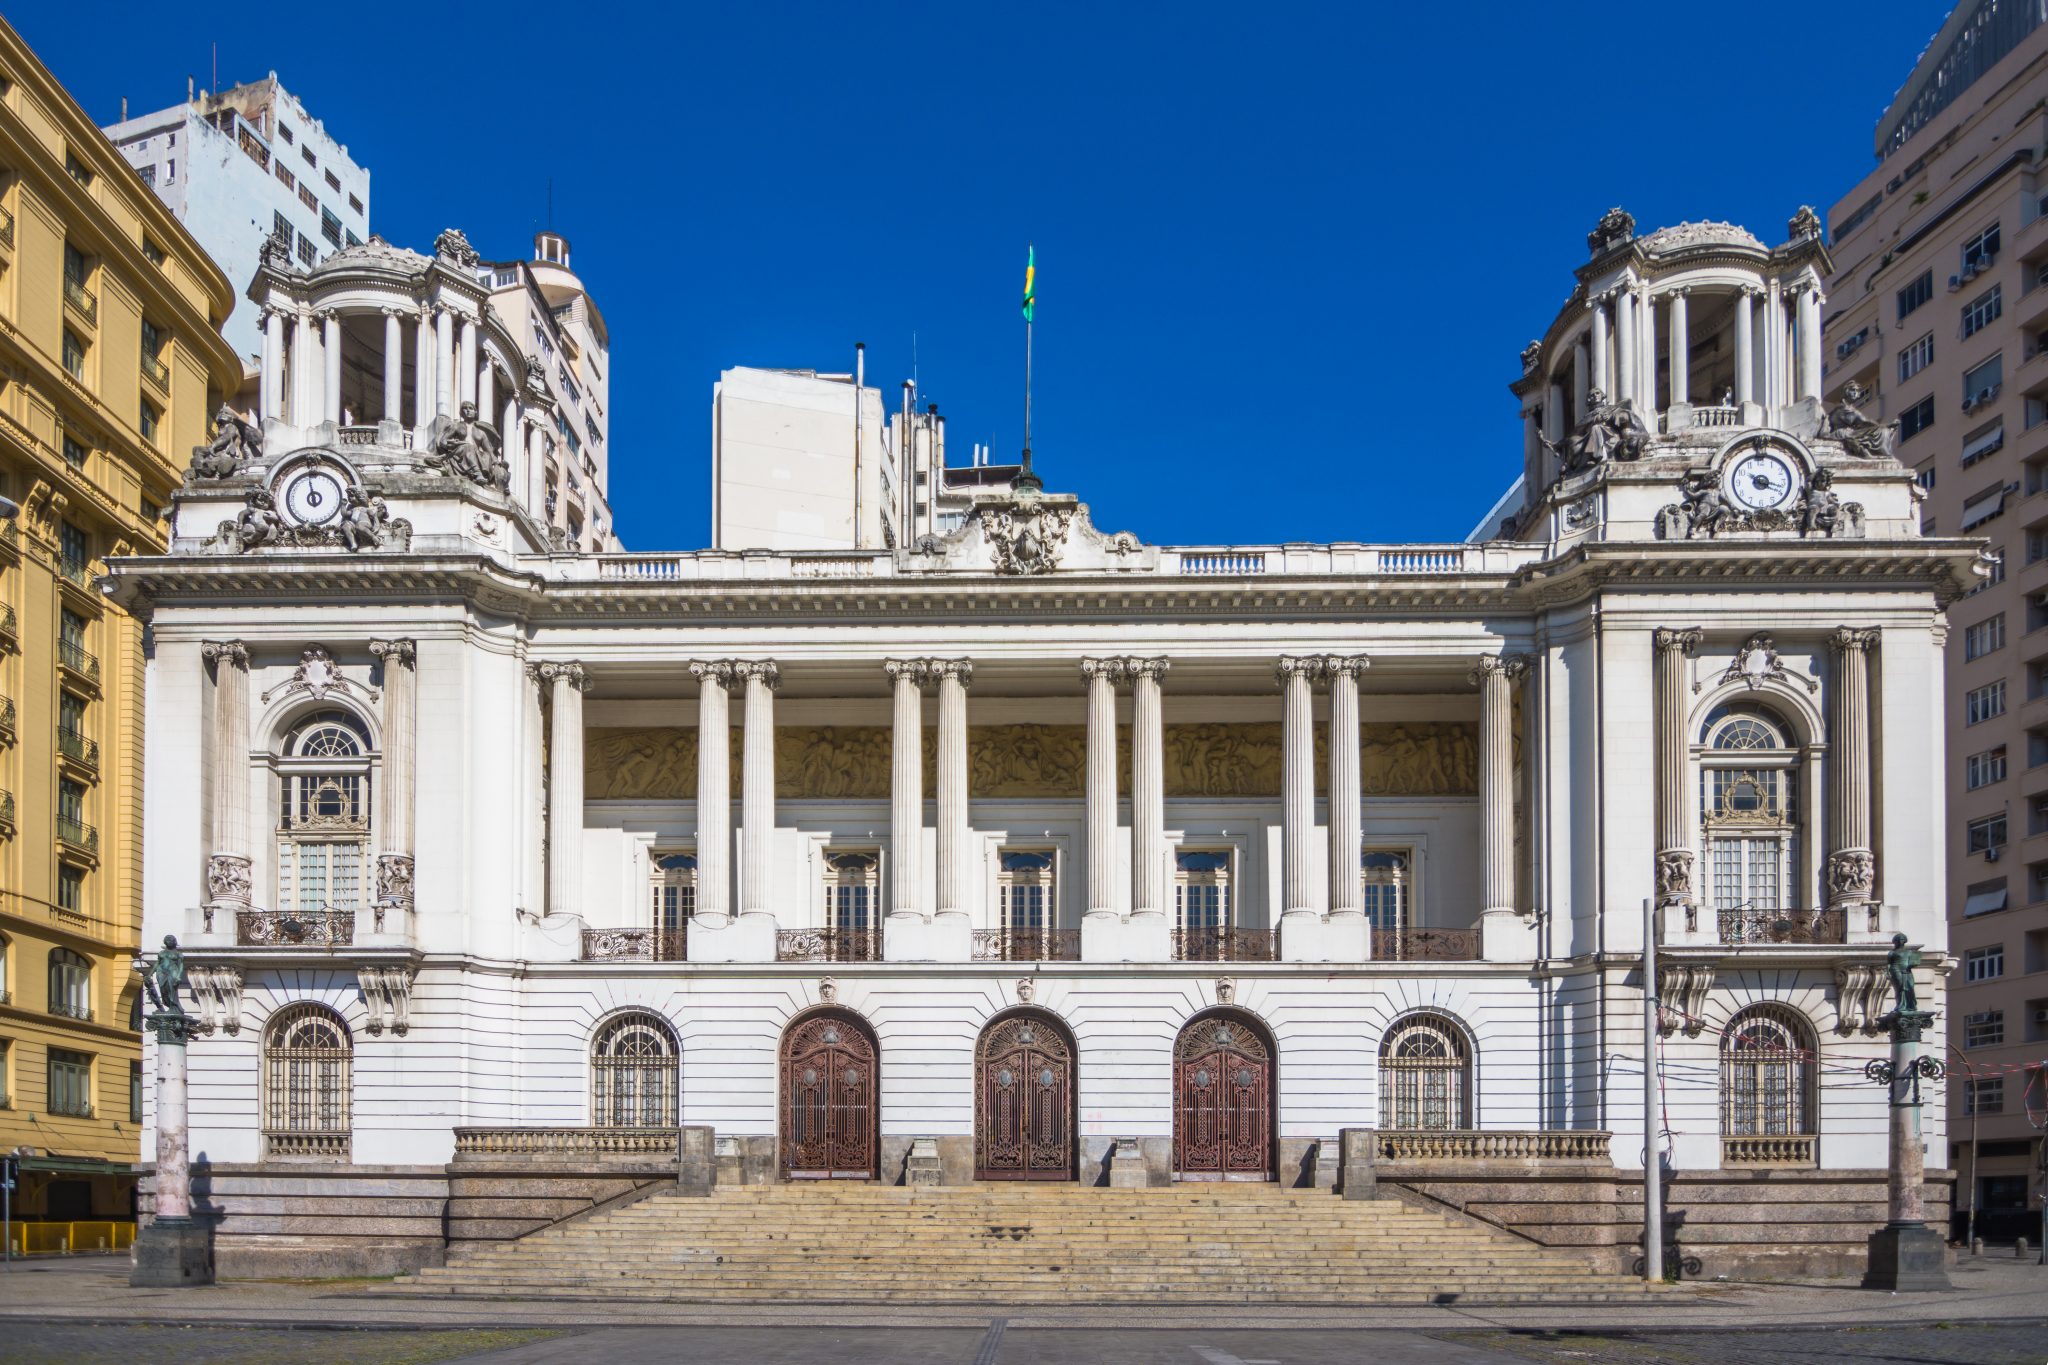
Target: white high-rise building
<point x="244" y="165"/>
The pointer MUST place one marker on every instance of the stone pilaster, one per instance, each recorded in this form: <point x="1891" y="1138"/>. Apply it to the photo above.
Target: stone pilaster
<point x="1672" y="698"/>
<point x="1497" y="676"/>
<point x="714" y="790"/>
<point x="1297" y="784"/>
<point x="757" y="787"/>
<point x="1347" y="805"/>
<point x="228" y="865"/>
<point x="1852" y="865"/>
<point x="395" y="794"/>
<point x="953" y="677"/>
<point x="906" y="789"/>
<point x="566" y="684"/>
<point x="1148" y="788"/>
<point x="1102" y="676"/>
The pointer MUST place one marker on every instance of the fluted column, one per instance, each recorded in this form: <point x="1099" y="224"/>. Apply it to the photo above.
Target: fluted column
<point x="444" y="363"/>
<point x="1673" y="699"/>
<point x="757" y="787"/>
<point x="228" y="864"/>
<point x="714" y="791"/>
<point x="1681" y="350"/>
<point x="1808" y="340"/>
<point x="906" y="790"/>
<point x="1601" y="379"/>
<point x="273" y="365"/>
<point x="953" y="676"/>
<point x="1852" y="866"/>
<point x="1347" y="791"/>
<point x="486" y="390"/>
<point x="394" y="367"/>
<point x="330" y="355"/>
<point x="1582" y="380"/>
<point x="1625" y="347"/>
<point x="395" y="799"/>
<point x="566" y="684"/>
<point x="1496" y="676"/>
<point x="1102" y="676"/>
<point x="423" y="369"/>
<point x="1745" y="344"/>
<point x="305" y="400"/>
<point x="1148" y="788"/>
<point x="1297" y="785"/>
<point x="465" y="364"/>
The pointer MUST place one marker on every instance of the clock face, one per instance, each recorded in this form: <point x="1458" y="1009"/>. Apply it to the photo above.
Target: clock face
<point x="1762" y="481"/>
<point x="313" y="497"/>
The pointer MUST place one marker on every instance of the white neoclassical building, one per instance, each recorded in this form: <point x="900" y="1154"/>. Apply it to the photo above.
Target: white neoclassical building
<point x="1088" y="858"/>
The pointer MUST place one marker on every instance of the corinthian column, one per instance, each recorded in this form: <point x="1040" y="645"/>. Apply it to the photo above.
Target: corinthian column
<point x="227" y="866"/>
<point x="444" y="363"/>
<point x="1102" y="675"/>
<point x="423" y="348"/>
<point x="1496" y="676"/>
<point x="906" y="790"/>
<point x="953" y="676"/>
<point x="395" y="794"/>
<point x="1148" y="788"/>
<point x="757" y="787"/>
<point x="394" y="367"/>
<point x="1674" y="823"/>
<point x="566" y="683"/>
<point x="1297" y="785"/>
<point x="714" y="792"/>
<point x="330" y="352"/>
<point x="1852" y="867"/>
<point x="1347" y="804"/>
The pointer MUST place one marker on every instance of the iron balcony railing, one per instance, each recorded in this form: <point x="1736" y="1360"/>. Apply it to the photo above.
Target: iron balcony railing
<point x="636" y="945"/>
<point x="7" y="715"/>
<point x="71" y="1109"/>
<point x="7" y="812"/>
<point x="9" y="622"/>
<point x="295" y="928"/>
<point x="78" y="748"/>
<point x="829" y="945"/>
<point x="64" y="1009"/>
<point x="1752" y="924"/>
<point x="73" y="656"/>
<point x="78" y="834"/>
<point x="1027" y="945"/>
<point x="6" y="227"/>
<point x="1226" y="945"/>
<point x="157" y="373"/>
<point x="81" y="298"/>
<point x="77" y="571"/>
<point x="1425" y="945"/>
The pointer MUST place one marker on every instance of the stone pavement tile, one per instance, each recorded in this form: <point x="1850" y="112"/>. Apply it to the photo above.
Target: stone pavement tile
<point x="1181" y="1346"/>
<point x="1960" y="1343"/>
<point x="38" y="1343"/>
<point x="791" y="1345"/>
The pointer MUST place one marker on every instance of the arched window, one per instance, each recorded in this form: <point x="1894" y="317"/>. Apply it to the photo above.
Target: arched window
<point x="1767" y="1074"/>
<point x="323" y="831"/>
<point x="1425" y="1075"/>
<point x="70" y="984"/>
<point x="306" y="1060"/>
<point x="1749" y="805"/>
<point x="633" y="1073"/>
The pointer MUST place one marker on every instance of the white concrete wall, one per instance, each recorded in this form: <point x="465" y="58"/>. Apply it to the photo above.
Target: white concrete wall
<point x="782" y="462"/>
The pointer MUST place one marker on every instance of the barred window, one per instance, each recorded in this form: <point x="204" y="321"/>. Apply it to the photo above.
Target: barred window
<point x="1425" y="1075"/>
<point x="307" y="1056"/>
<point x="1767" y="1074"/>
<point x="633" y="1073"/>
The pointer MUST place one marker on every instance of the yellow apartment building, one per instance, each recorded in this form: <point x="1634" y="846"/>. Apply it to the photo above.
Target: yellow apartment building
<point x="111" y="362"/>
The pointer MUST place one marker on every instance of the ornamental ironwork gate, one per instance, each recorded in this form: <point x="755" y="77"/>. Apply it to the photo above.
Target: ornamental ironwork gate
<point x="1024" y="1100"/>
<point x="1222" y="1101"/>
<point x="829" y="1095"/>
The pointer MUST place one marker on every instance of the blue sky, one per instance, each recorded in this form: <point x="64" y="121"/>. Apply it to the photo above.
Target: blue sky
<point x="1286" y="255"/>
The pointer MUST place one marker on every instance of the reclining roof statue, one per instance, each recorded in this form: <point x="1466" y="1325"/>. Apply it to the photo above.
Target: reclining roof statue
<point x="564" y="850"/>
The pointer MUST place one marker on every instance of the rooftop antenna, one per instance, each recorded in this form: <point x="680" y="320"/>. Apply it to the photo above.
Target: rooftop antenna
<point x="551" y="203"/>
<point x="216" y="66"/>
<point x="913" y="363"/>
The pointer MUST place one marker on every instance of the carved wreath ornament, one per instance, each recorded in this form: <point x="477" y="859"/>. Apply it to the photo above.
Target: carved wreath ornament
<point x="1026" y="540"/>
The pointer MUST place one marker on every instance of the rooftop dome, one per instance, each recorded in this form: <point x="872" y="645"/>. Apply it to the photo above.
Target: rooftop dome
<point x="374" y="254"/>
<point x="1698" y="236"/>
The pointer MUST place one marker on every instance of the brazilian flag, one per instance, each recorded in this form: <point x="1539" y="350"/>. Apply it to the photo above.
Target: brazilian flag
<point x="1030" y="281"/>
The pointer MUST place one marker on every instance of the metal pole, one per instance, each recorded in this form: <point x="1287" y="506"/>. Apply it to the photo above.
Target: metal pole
<point x="1653" y="1189"/>
<point x="7" y="1170"/>
<point x="860" y="382"/>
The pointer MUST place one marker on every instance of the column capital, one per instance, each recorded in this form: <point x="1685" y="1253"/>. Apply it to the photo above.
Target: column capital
<point x="1153" y="668"/>
<point x="1509" y="666"/>
<point x="1847" y="638"/>
<point x="232" y="653"/>
<point x="764" y="671"/>
<point x="1684" y="639"/>
<point x="1345" y="665"/>
<point x="715" y="672"/>
<point x="960" y="669"/>
<point x="1114" y="670"/>
<point x="389" y="652"/>
<point x="552" y="671"/>
<point x="1290" y="666"/>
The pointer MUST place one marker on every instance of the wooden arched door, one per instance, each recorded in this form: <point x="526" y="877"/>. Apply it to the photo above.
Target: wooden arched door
<point x="1024" y="1099"/>
<point x="1223" y="1100"/>
<point x="830" y="1088"/>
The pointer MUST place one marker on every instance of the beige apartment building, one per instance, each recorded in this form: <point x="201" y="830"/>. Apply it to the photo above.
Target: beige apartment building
<point x="111" y="359"/>
<point x="1938" y="309"/>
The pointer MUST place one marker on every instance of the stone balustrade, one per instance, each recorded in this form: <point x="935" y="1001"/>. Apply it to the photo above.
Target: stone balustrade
<point x="565" y="1142"/>
<point x="1785" y="1150"/>
<point x="327" y="1146"/>
<point x="1393" y="1144"/>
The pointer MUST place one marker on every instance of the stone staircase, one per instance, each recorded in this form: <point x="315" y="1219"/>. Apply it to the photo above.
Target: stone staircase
<point x="1021" y="1245"/>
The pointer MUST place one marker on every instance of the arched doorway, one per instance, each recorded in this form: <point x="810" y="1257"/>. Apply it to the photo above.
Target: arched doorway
<point x="829" y="1098"/>
<point x="1223" y="1073"/>
<point x="1024" y="1099"/>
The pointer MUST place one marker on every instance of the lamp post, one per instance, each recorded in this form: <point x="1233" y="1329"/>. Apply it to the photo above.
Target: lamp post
<point x="1905" y="1253"/>
<point x="1970" y="1089"/>
<point x="174" y="1250"/>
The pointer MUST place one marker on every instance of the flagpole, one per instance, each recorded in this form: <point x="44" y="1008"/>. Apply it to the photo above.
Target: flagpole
<point x="1027" y="481"/>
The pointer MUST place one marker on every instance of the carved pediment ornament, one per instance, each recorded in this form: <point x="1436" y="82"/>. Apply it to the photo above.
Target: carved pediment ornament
<point x="1026" y="537"/>
<point x="1757" y="663"/>
<point x="317" y="675"/>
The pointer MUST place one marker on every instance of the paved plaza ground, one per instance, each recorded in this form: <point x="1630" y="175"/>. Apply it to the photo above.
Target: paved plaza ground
<point x="81" y="1312"/>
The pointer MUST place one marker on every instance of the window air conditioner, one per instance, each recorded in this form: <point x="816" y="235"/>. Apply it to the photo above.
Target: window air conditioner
<point x="1991" y="853"/>
<point x="1955" y="282"/>
<point x="2041" y="1018"/>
